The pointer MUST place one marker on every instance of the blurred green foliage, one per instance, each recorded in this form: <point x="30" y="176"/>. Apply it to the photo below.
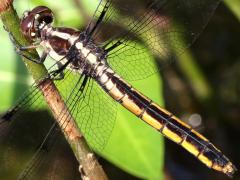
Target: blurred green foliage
<point x="234" y="6"/>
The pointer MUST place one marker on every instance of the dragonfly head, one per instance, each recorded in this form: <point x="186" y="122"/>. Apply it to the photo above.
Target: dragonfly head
<point x="34" y="21"/>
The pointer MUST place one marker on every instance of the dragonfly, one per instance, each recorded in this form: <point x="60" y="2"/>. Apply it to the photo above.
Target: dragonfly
<point x="93" y="69"/>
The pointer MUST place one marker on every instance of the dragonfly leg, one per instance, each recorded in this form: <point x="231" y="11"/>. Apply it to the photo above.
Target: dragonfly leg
<point x="21" y="50"/>
<point x="58" y="74"/>
<point x="36" y="60"/>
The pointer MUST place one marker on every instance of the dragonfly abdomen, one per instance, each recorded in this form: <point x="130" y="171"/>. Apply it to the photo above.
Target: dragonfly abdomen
<point x="163" y="121"/>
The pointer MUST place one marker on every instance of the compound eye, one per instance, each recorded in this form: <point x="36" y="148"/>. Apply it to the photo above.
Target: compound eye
<point x="47" y="19"/>
<point x="27" y="26"/>
<point x="33" y="21"/>
<point x="43" y="14"/>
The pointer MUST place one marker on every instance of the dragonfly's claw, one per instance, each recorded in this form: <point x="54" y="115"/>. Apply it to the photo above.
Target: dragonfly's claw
<point x="14" y="41"/>
<point x="17" y="46"/>
<point x="5" y="28"/>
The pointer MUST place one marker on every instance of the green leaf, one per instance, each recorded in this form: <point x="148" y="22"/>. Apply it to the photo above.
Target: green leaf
<point x="234" y="6"/>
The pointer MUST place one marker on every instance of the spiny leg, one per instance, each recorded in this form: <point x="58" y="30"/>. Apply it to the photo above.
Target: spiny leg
<point x="21" y="49"/>
<point x="58" y="74"/>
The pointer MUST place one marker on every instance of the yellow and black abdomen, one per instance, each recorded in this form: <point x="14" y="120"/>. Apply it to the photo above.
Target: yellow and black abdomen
<point x="165" y="122"/>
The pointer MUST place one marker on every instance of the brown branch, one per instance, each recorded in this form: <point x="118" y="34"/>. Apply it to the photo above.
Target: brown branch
<point x="89" y="166"/>
<point x="5" y="4"/>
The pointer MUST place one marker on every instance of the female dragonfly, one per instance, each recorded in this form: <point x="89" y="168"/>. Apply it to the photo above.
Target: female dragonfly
<point x="101" y="60"/>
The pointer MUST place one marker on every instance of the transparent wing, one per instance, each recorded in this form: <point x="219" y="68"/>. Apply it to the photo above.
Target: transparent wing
<point x="165" y="28"/>
<point x="93" y="110"/>
<point x="22" y="131"/>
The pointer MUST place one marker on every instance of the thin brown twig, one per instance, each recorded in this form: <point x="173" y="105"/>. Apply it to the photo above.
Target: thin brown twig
<point x="5" y="4"/>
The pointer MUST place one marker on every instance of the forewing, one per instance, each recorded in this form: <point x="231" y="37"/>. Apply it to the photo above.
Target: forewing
<point x="22" y="131"/>
<point x="162" y="27"/>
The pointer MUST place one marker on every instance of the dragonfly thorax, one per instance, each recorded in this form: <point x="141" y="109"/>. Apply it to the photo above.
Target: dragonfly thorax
<point x="66" y="44"/>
